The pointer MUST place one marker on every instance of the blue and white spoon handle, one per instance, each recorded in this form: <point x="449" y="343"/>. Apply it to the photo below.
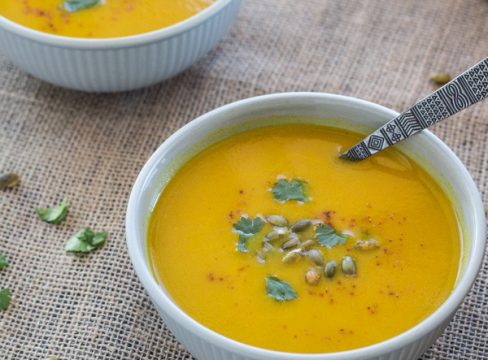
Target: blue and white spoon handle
<point x="463" y="91"/>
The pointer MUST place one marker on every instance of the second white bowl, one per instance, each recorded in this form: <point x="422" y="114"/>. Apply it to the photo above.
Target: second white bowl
<point x="118" y="64"/>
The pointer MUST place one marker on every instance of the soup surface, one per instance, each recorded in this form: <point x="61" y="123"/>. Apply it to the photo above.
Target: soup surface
<point x="99" y="18"/>
<point x="388" y="226"/>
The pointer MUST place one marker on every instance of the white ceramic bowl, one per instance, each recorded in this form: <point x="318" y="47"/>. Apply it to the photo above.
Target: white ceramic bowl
<point x="116" y="64"/>
<point x="346" y="112"/>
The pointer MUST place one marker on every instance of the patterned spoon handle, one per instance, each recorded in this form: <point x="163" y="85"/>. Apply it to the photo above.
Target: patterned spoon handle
<point x="461" y="92"/>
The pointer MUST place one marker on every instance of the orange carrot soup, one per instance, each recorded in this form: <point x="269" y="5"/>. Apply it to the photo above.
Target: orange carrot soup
<point x="268" y="238"/>
<point x="99" y="18"/>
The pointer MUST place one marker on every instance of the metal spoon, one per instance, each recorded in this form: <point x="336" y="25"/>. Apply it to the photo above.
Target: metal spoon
<point x="463" y="91"/>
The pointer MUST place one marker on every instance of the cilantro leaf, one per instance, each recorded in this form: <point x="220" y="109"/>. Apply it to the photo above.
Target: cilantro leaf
<point x="54" y="215"/>
<point x="279" y="290"/>
<point x="75" y="5"/>
<point x="326" y="235"/>
<point x="5" y="296"/>
<point x="3" y="262"/>
<point x="85" y="241"/>
<point x="249" y="226"/>
<point x="293" y="189"/>
<point x="99" y="238"/>
<point x="242" y="244"/>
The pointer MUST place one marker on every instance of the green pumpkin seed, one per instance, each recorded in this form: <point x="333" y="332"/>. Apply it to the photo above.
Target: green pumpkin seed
<point x="9" y="180"/>
<point x="316" y="257"/>
<point x="267" y="246"/>
<point x="290" y="243"/>
<point x="312" y="276"/>
<point x="330" y="269"/>
<point x="369" y="244"/>
<point x="282" y="231"/>
<point x="277" y="220"/>
<point x="307" y="244"/>
<point x="301" y="225"/>
<point x="348" y="266"/>
<point x="261" y="254"/>
<point x="273" y="235"/>
<point x="291" y="257"/>
<point x="440" y="78"/>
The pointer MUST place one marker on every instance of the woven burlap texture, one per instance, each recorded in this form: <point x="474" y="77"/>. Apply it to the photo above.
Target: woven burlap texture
<point x="91" y="147"/>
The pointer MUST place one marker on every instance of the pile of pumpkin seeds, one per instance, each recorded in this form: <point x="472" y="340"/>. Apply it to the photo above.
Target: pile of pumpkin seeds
<point x="293" y="242"/>
<point x="296" y="241"/>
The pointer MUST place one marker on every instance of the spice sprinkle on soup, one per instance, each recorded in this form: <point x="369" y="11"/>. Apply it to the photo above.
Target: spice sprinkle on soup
<point x="268" y="232"/>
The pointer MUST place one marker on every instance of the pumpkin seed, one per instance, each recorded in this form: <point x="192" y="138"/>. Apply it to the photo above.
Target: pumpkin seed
<point x="291" y="257"/>
<point x="330" y="269"/>
<point x="301" y="225"/>
<point x="348" y="266"/>
<point x="281" y="231"/>
<point x="9" y="180"/>
<point x="261" y="256"/>
<point x="312" y="276"/>
<point x="316" y="257"/>
<point x="440" y="78"/>
<point x="290" y="243"/>
<point x="267" y="246"/>
<point x="277" y="220"/>
<point x="272" y="235"/>
<point x="369" y="244"/>
<point x="307" y="244"/>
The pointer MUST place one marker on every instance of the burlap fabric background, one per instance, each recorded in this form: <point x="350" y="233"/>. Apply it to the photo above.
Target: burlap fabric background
<point x="91" y="147"/>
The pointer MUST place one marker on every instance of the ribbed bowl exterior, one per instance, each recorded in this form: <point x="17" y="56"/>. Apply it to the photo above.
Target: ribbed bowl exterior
<point x="204" y="350"/>
<point x="114" y="69"/>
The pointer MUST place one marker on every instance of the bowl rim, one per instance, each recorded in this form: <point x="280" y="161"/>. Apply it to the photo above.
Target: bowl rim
<point x="114" y="42"/>
<point x="172" y="310"/>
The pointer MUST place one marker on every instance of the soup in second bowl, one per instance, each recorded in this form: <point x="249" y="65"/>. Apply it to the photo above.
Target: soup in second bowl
<point x="100" y="18"/>
<point x="269" y="239"/>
